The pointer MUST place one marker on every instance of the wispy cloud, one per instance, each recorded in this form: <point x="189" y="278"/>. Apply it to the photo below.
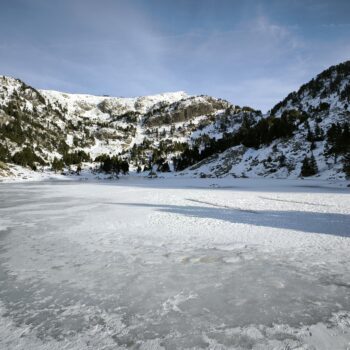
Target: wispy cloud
<point x="126" y="48"/>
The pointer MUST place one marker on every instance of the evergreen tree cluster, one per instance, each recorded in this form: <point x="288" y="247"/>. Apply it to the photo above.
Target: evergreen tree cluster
<point x="74" y="158"/>
<point x="268" y="129"/>
<point x="309" y="166"/>
<point x="27" y="157"/>
<point x="249" y="135"/>
<point x="70" y="158"/>
<point x="337" y="141"/>
<point x="346" y="164"/>
<point x="314" y="135"/>
<point x="112" y="164"/>
<point x="13" y="131"/>
<point x="57" y="164"/>
<point x="188" y="157"/>
<point x="146" y="155"/>
<point x="4" y="154"/>
<point x="338" y="144"/>
<point x="162" y="165"/>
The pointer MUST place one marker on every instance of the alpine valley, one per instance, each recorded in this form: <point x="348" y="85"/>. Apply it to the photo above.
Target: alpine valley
<point x="306" y="134"/>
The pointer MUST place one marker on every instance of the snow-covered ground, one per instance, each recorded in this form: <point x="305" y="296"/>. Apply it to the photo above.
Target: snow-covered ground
<point x="175" y="263"/>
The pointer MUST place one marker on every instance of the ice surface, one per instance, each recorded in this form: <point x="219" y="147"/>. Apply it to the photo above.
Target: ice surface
<point x="174" y="264"/>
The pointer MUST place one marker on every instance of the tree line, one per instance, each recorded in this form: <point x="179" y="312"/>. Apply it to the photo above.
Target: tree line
<point x="250" y="134"/>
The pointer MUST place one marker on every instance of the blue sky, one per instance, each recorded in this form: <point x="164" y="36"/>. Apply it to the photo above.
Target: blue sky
<point x="249" y="52"/>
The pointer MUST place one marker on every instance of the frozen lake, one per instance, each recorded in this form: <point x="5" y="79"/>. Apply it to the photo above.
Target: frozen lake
<point x="174" y="264"/>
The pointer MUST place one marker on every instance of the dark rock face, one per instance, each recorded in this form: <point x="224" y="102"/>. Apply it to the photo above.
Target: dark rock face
<point x="184" y="111"/>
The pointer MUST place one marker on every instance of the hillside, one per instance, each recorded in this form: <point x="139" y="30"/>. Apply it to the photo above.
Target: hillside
<point x="195" y="135"/>
<point x="37" y="126"/>
<point x="315" y="123"/>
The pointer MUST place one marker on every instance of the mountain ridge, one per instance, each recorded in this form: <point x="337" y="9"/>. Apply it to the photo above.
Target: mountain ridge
<point x="198" y="135"/>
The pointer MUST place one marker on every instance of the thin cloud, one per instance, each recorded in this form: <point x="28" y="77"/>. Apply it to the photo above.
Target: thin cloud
<point x="127" y="48"/>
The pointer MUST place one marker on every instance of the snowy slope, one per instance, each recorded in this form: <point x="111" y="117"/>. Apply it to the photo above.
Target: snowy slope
<point x="324" y="101"/>
<point x="156" y="129"/>
<point x="97" y="124"/>
<point x="88" y="105"/>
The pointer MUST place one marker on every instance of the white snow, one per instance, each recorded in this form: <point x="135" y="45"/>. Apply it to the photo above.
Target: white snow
<point x="175" y="263"/>
<point x="87" y="104"/>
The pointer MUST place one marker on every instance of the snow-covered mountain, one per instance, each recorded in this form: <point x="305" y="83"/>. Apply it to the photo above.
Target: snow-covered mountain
<point x="199" y="135"/>
<point x="311" y="110"/>
<point x="42" y="125"/>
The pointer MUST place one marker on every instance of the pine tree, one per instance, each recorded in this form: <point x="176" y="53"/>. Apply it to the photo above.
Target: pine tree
<point x="310" y="135"/>
<point x="4" y="153"/>
<point x="27" y="157"/>
<point x="346" y="164"/>
<point x="313" y="145"/>
<point x="345" y="139"/>
<point x="57" y="165"/>
<point x="305" y="168"/>
<point x="164" y="167"/>
<point x="309" y="166"/>
<point x="313" y="165"/>
<point x="124" y="167"/>
<point x="332" y="145"/>
<point x="338" y="140"/>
